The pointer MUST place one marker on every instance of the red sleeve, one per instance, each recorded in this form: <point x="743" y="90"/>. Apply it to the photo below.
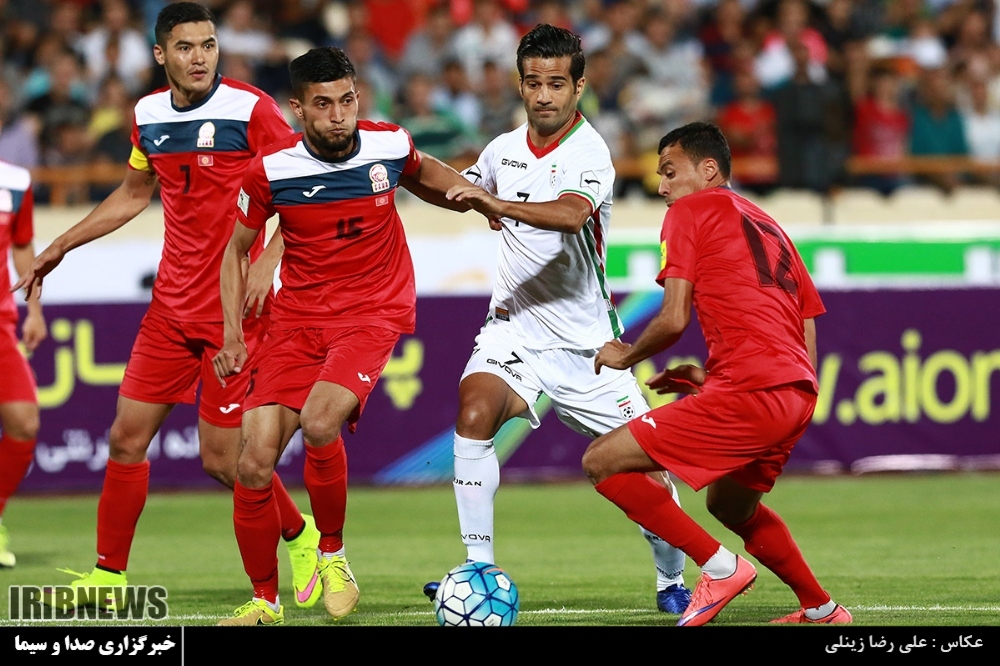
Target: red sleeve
<point x="23" y="229"/>
<point x="810" y="304"/>
<point x="413" y="161"/>
<point x="253" y="205"/>
<point x="267" y="124"/>
<point x="677" y="244"/>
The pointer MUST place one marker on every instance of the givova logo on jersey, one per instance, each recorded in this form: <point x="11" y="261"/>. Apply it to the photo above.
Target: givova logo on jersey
<point x="626" y="408"/>
<point x="379" y="176"/>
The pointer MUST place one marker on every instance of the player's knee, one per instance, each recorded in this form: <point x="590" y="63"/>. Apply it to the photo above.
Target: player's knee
<point x="318" y="430"/>
<point x="477" y="419"/>
<point x="593" y="464"/>
<point x="127" y="444"/>
<point x="253" y="472"/>
<point x="24" y="427"/>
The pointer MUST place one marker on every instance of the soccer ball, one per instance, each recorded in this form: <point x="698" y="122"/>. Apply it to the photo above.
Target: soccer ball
<point x="476" y="594"/>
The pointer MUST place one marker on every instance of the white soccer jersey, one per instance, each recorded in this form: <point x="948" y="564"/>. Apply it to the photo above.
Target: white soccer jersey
<point x="551" y="286"/>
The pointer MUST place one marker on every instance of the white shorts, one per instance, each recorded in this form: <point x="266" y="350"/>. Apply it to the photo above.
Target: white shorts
<point x="591" y="404"/>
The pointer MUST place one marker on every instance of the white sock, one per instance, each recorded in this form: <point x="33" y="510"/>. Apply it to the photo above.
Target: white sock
<point x="330" y="556"/>
<point x="276" y="606"/>
<point x="720" y="565"/>
<point x="669" y="561"/>
<point x="477" y="478"/>
<point x="820" y="612"/>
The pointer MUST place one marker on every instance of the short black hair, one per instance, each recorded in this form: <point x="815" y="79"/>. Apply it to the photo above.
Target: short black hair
<point x="548" y="41"/>
<point x="701" y="140"/>
<point x="319" y="65"/>
<point x="180" y="12"/>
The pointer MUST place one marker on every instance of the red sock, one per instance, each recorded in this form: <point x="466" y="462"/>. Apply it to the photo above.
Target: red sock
<point x="15" y="459"/>
<point x="326" y="480"/>
<point x="652" y="506"/>
<point x="292" y="522"/>
<point x="258" y="528"/>
<point x="767" y="538"/>
<point x="122" y="500"/>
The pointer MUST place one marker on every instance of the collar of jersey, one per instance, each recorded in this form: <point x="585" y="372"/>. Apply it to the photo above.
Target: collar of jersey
<point x="199" y="103"/>
<point x="357" y="149"/>
<point x="542" y="152"/>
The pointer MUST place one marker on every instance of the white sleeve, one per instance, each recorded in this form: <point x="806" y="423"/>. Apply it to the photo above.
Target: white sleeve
<point x="481" y="173"/>
<point x="590" y="174"/>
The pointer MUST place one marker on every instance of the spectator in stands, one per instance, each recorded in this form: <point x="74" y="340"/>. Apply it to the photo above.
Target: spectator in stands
<point x="882" y="127"/>
<point x="454" y="92"/>
<point x="61" y="106"/>
<point x="242" y="34"/>
<point x="430" y="46"/>
<point x="18" y="132"/>
<point x="371" y="65"/>
<point x="673" y="88"/>
<point x="748" y="122"/>
<point x="488" y="36"/>
<point x="502" y="109"/>
<point x="720" y="36"/>
<point x="938" y="128"/>
<point x="813" y="120"/>
<point x="775" y="62"/>
<point x="434" y="130"/>
<point x="114" y="46"/>
<point x="621" y="39"/>
<point x="982" y="124"/>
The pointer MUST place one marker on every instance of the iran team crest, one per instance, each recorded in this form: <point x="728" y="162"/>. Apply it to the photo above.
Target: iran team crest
<point x="379" y="177"/>
<point x="626" y="408"/>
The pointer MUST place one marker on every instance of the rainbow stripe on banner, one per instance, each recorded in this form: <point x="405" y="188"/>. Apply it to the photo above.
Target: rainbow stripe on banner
<point x="431" y="462"/>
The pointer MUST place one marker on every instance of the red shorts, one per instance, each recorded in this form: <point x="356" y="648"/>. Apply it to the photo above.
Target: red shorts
<point x="747" y="435"/>
<point x="169" y="359"/>
<point x="17" y="379"/>
<point x="291" y="361"/>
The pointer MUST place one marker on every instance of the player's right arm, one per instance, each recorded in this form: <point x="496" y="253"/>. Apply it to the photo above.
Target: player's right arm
<point x="127" y="201"/>
<point x="233" y="354"/>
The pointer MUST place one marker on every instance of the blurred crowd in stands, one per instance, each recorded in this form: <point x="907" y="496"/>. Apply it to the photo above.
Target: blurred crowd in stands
<point x="798" y="86"/>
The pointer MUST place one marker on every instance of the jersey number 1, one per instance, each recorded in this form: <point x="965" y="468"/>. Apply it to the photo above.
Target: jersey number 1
<point x="780" y="274"/>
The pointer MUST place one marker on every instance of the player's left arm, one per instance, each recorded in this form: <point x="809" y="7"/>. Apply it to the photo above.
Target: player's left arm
<point x="431" y="181"/>
<point x="663" y="331"/>
<point x="33" y="330"/>
<point x="810" y="332"/>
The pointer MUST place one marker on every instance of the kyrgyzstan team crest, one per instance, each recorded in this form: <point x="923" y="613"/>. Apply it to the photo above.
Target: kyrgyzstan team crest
<point x="626" y="408"/>
<point x="379" y="177"/>
<point x="206" y="135"/>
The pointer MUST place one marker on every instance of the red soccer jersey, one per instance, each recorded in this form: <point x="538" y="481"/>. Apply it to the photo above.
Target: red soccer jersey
<point x="880" y="131"/>
<point x="751" y="289"/>
<point x="200" y="154"/>
<point x="16" y="227"/>
<point x="346" y="261"/>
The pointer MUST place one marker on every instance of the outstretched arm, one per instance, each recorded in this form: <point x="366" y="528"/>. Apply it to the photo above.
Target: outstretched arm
<point x="122" y="205"/>
<point x="663" y="331"/>
<point x="567" y="214"/>
<point x="232" y="283"/>
<point x="432" y="179"/>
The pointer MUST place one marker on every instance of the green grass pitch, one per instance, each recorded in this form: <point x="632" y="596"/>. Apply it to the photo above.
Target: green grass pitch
<point x="897" y="550"/>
